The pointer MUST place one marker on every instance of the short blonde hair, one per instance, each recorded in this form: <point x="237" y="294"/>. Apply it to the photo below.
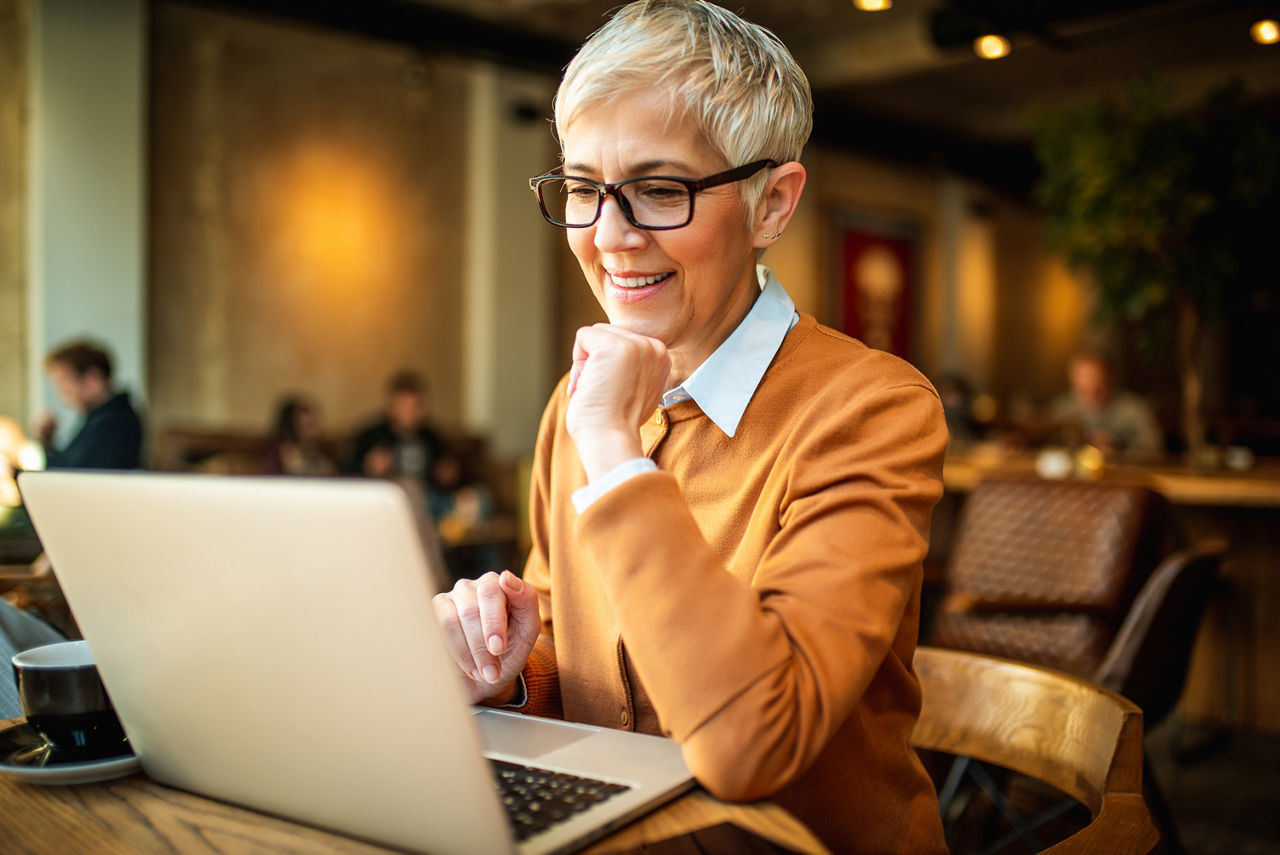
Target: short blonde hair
<point x="735" y="79"/>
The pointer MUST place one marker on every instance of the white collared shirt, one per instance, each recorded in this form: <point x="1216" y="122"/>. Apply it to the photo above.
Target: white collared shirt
<point x="724" y="384"/>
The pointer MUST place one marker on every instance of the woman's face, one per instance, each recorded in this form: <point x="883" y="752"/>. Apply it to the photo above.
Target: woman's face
<point x="306" y="424"/>
<point x="688" y="287"/>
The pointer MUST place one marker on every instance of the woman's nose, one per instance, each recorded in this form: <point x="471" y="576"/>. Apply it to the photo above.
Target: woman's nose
<point x="613" y="231"/>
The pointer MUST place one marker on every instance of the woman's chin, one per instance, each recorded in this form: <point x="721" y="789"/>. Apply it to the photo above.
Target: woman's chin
<point x="640" y="323"/>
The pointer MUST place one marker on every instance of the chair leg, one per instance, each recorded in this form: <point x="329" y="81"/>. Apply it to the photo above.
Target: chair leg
<point x="955" y="776"/>
<point x="1021" y="829"/>
<point x="1160" y="811"/>
<point x="1060" y="808"/>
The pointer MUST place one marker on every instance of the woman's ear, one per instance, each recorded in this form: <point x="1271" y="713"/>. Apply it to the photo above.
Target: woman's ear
<point x="778" y="202"/>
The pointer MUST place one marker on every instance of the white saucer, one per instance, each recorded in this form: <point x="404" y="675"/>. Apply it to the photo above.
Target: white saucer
<point x="25" y="756"/>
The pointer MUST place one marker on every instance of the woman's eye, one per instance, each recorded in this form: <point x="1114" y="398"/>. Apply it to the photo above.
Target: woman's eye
<point x="660" y="191"/>
<point x="579" y="190"/>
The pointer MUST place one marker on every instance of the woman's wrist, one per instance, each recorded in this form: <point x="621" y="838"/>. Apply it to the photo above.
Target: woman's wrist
<point x="600" y="450"/>
<point x="504" y="695"/>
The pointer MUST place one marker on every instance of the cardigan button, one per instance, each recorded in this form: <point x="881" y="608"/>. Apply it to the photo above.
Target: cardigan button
<point x="625" y="718"/>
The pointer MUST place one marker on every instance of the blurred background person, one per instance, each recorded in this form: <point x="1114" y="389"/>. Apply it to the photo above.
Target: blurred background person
<point x="402" y="443"/>
<point x="457" y="496"/>
<point x="110" y="436"/>
<point x="1095" y="412"/>
<point x="461" y="503"/>
<point x="957" y="404"/>
<point x="297" y="440"/>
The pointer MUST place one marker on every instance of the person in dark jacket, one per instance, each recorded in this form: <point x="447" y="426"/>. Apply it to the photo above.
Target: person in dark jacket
<point x="110" y="436"/>
<point x="401" y="444"/>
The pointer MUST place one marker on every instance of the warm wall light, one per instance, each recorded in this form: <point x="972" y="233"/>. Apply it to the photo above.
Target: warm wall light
<point x="1265" y="31"/>
<point x="991" y="46"/>
<point x="873" y="5"/>
<point x="333" y="217"/>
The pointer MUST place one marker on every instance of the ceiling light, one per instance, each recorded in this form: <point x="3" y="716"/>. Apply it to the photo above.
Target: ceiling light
<point x="873" y="5"/>
<point x="991" y="46"/>
<point x="1265" y="31"/>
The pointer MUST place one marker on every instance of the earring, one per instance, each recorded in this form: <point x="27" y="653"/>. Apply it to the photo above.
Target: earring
<point x="772" y="236"/>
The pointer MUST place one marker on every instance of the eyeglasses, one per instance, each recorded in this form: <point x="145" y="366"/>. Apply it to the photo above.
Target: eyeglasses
<point x="653" y="202"/>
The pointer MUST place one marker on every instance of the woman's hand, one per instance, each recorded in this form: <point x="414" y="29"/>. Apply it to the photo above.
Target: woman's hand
<point x="616" y="381"/>
<point x="490" y="625"/>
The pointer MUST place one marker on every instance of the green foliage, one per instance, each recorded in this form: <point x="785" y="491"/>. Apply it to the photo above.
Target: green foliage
<point x="1162" y="208"/>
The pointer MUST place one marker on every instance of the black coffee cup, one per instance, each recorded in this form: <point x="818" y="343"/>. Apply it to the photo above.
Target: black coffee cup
<point x="64" y="700"/>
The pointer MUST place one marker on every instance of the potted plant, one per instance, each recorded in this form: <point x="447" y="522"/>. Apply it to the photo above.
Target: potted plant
<point x="1170" y="213"/>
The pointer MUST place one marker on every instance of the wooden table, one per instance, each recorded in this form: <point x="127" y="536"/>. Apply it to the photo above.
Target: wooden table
<point x="1232" y="679"/>
<point x="135" y="815"/>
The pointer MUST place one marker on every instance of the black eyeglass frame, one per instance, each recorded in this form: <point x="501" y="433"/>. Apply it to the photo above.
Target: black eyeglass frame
<point x="693" y="185"/>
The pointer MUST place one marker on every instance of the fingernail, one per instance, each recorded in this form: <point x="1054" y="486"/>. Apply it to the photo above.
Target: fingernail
<point x="495" y="645"/>
<point x="490" y="674"/>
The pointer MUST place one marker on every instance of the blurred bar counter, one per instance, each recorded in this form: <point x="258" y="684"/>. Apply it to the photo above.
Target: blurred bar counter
<point x="1257" y="487"/>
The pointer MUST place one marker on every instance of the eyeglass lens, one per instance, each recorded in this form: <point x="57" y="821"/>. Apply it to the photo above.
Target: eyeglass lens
<point x="647" y="202"/>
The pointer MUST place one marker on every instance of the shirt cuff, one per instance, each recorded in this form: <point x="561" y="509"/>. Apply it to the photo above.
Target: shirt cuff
<point x="521" y="697"/>
<point x="585" y="497"/>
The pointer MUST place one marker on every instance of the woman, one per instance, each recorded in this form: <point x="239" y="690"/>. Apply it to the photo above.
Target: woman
<point x="730" y="503"/>
<point x="296" y="446"/>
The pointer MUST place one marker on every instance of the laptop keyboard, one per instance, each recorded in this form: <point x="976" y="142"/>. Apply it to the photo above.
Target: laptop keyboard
<point x="537" y="799"/>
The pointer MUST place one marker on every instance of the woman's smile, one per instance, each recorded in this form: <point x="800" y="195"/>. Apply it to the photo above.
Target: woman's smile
<point x="631" y="288"/>
<point x="633" y="281"/>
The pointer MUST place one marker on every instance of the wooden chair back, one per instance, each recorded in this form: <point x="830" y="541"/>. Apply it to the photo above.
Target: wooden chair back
<point x="1074" y="735"/>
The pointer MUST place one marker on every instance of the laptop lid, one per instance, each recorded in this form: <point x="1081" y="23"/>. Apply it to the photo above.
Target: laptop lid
<point x="271" y="642"/>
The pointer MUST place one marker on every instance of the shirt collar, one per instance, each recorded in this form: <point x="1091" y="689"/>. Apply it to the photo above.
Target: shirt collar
<point x="723" y="385"/>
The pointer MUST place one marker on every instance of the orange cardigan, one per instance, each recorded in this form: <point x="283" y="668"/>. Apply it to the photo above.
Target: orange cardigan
<point x="758" y="598"/>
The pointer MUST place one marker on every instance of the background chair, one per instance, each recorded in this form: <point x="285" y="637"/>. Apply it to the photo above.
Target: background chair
<point x="1045" y="571"/>
<point x="1149" y="658"/>
<point x="1073" y="735"/>
<point x="1042" y="572"/>
<point x="33" y="588"/>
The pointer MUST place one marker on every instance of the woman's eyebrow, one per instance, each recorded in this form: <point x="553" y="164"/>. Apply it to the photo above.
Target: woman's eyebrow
<point x="648" y="167"/>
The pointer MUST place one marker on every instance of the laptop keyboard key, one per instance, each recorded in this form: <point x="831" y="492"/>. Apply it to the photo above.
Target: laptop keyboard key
<point x="536" y="799"/>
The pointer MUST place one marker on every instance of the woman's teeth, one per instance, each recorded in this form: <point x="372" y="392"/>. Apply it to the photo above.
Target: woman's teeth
<point x="637" y="281"/>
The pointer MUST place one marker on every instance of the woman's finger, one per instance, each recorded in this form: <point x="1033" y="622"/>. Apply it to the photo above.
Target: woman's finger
<point x="455" y="639"/>
<point x="492" y="602"/>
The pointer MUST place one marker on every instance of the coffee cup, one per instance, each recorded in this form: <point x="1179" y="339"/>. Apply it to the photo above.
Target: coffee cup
<point x="64" y="700"/>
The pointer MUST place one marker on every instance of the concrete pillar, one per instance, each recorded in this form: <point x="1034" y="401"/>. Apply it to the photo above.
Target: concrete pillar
<point x="86" y="186"/>
<point x="510" y="299"/>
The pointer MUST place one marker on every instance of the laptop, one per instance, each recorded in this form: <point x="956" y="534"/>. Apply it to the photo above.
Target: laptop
<point x="271" y="642"/>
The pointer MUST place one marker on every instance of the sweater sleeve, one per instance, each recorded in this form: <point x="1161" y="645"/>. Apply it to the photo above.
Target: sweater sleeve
<point x="540" y="672"/>
<point x="542" y="681"/>
<point x="754" y="679"/>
